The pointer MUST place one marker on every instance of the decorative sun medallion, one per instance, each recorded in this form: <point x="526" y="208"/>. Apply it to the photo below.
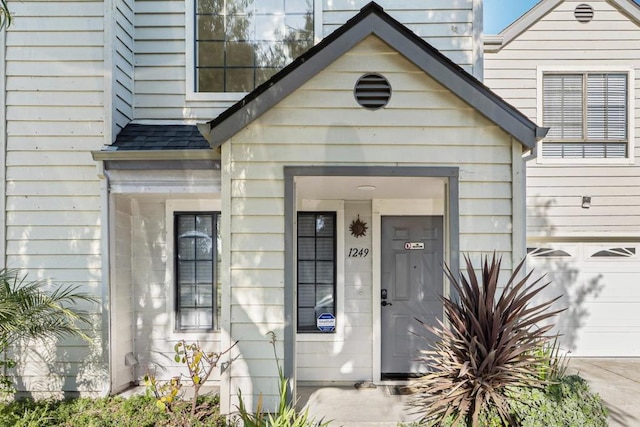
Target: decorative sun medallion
<point x="358" y="228"/>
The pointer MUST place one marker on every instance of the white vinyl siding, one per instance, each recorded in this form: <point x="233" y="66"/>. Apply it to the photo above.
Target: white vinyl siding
<point x="152" y="286"/>
<point x="586" y="114"/>
<point x="322" y="124"/>
<point x="557" y="43"/>
<point x="165" y="54"/>
<point x="54" y="82"/>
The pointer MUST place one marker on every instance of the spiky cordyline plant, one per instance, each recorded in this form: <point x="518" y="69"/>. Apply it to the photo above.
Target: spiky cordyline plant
<point x="486" y="345"/>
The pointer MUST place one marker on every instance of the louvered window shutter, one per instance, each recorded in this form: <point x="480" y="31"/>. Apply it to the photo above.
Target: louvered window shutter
<point x="607" y="106"/>
<point x="598" y="98"/>
<point x="563" y="105"/>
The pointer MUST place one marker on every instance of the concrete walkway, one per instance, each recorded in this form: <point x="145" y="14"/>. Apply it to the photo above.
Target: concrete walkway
<point x="617" y="381"/>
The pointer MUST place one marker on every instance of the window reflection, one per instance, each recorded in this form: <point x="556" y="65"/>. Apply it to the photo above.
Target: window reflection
<point x="242" y="43"/>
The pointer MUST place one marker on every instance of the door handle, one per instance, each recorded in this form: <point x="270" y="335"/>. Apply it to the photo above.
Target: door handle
<point x="384" y="303"/>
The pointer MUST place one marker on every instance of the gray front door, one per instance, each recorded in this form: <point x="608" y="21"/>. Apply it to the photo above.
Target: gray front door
<point x="411" y="282"/>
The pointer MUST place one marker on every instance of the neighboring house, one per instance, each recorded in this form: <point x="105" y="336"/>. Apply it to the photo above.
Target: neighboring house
<point x="574" y="66"/>
<point x="318" y="202"/>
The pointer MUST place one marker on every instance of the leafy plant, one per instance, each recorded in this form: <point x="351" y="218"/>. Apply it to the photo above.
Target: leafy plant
<point x="200" y="365"/>
<point x="5" y="15"/>
<point x="28" y="311"/>
<point x="286" y="414"/>
<point x="486" y="347"/>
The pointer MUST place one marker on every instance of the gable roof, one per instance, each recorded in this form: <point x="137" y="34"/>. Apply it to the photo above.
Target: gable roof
<point x="494" y="43"/>
<point x="372" y="20"/>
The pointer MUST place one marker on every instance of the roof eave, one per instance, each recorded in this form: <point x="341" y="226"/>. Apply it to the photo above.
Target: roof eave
<point x="150" y="155"/>
<point x="374" y="22"/>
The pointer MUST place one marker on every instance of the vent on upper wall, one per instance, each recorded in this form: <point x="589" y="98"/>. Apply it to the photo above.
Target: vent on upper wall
<point x="583" y="13"/>
<point x="372" y="91"/>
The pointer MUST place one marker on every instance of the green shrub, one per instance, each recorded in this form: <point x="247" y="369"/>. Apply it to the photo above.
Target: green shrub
<point x="136" y="411"/>
<point x="568" y="402"/>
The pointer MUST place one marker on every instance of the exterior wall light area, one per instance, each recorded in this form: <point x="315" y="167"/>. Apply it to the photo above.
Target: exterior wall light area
<point x="586" y="202"/>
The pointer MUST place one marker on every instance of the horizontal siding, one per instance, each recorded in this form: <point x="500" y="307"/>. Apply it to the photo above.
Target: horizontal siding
<point x="152" y="306"/>
<point x="160" y="61"/>
<point x="425" y="126"/>
<point x="445" y="24"/>
<point x="555" y="191"/>
<point x="55" y="117"/>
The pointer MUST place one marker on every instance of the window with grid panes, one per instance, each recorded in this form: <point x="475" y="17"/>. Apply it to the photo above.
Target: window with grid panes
<point x="587" y="115"/>
<point x="316" y="267"/>
<point x="242" y="43"/>
<point x="197" y="244"/>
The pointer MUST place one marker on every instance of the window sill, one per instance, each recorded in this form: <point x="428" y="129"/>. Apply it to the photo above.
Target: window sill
<point x="584" y="162"/>
<point x="215" y="96"/>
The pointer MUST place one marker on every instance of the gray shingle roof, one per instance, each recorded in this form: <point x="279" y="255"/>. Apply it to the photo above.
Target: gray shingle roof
<point x="159" y="137"/>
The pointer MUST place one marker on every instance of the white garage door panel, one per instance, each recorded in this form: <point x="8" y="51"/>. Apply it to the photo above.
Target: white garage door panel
<point x="607" y="344"/>
<point x="602" y="296"/>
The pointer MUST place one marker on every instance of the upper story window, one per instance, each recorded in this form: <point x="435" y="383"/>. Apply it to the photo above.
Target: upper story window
<point x="240" y="44"/>
<point x="587" y="115"/>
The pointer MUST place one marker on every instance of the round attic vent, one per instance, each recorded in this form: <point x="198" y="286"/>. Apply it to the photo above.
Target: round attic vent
<point x="583" y="13"/>
<point x="372" y="91"/>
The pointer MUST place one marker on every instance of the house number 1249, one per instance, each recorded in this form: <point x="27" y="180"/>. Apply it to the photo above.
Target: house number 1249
<point x="358" y="252"/>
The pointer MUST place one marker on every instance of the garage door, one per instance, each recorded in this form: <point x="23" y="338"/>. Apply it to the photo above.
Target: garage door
<point x="600" y="284"/>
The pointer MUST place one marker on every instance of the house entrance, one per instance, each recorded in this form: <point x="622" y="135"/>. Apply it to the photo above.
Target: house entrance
<point x="411" y="282"/>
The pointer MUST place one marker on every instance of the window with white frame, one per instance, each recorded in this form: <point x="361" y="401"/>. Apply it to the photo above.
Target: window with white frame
<point x="316" y="267"/>
<point x="197" y="268"/>
<point x="587" y="115"/>
<point x="240" y="44"/>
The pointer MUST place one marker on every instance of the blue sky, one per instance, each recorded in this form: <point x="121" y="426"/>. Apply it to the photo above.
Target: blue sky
<point x="498" y="14"/>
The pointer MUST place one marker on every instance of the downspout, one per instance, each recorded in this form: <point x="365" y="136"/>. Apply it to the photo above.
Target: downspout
<point x="3" y="174"/>
<point x="519" y="209"/>
<point x="3" y="151"/>
<point x="105" y="251"/>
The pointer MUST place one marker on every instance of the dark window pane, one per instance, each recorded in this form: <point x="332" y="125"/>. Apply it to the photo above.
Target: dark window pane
<point x="186" y="224"/>
<point x="239" y="54"/>
<point x="210" y="28"/>
<point x="204" y="272"/>
<point x="306" y="272"/>
<point x="306" y="248"/>
<point x="316" y="268"/>
<point x="239" y="80"/>
<point x="211" y="80"/>
<point x="307" y="319"/>
<point x="186" y="272"/>
<point x="324" y="272"/>
<point x="307" y="225"/>
<point x="324" y="226"/>
<point x="260" y="37"/>
<point x="196" y="283"/>
<point x="324" y="247"/>
<point x="306" y="295"/>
